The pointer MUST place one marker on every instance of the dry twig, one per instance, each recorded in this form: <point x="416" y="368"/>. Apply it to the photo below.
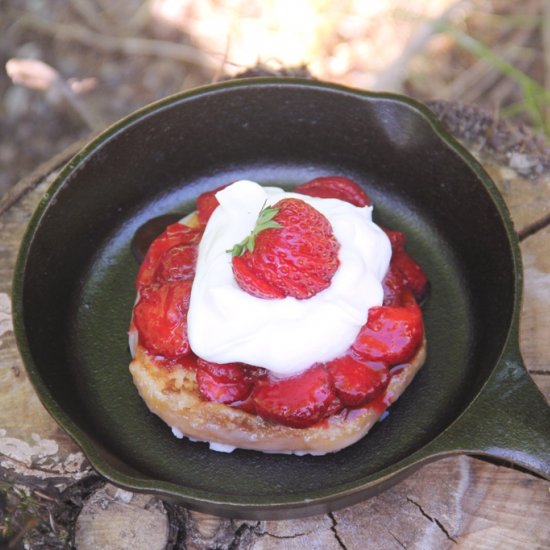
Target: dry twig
<point x="91" y="15"/>
<point x="393" y="77"/>
<point x="128" y="45"/>
<point x="473" y="83"/>
<point x="38" y="75"/>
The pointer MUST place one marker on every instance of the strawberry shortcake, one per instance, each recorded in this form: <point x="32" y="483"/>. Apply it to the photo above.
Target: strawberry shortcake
<point x="277" y="321"/>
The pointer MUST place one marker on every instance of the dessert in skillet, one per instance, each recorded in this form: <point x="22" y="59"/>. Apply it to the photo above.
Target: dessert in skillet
<point x="278" y="321"/>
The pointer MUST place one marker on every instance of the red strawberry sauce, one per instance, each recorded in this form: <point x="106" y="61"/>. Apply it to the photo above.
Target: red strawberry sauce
<point x="390" y="338"/>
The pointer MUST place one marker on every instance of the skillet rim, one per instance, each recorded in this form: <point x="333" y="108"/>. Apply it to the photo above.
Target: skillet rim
<point x="223" y="504"/>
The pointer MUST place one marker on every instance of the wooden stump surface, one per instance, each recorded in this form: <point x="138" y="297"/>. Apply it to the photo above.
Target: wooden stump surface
<point x="460" y="502"/>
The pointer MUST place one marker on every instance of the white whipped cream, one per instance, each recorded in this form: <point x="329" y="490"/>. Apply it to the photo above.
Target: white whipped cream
<point x="286" y="336"/>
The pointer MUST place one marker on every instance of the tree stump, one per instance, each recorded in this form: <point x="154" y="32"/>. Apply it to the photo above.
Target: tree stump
<point x="51" y="498"/>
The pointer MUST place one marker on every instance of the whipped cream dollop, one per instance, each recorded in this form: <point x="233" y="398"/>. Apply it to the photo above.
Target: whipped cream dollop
<point x="286" y="336"/>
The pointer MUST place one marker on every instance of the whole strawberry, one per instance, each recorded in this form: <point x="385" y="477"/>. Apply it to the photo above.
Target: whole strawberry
<point x="292" y="251"/>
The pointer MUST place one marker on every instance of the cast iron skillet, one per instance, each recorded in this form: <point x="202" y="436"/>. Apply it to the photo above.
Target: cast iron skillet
<point x="73" y="290"/>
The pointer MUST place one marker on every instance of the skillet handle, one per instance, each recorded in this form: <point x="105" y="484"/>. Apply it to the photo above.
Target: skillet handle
<point x="509" y="420"/>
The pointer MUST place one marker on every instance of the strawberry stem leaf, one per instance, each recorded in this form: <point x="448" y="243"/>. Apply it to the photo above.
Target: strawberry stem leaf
<point x="265" y="221"/>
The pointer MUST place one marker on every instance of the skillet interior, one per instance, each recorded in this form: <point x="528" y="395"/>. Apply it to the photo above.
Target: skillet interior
<point x="77" y="272"/>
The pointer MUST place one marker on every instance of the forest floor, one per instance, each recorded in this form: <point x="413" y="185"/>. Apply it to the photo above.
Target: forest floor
<point x="107" y="59"/>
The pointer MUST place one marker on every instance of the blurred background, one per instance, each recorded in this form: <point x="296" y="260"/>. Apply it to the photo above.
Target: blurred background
<point x="71" y="67"/>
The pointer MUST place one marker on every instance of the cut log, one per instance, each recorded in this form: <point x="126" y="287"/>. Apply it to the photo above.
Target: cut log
<point x="457" y="502"/>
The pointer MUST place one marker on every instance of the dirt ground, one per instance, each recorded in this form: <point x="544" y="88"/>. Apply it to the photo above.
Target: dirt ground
<point x="110" y="58"/>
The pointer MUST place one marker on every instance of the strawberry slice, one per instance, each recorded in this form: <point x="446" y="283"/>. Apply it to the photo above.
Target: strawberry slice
<point x="394" y="287"/>
<point x="391" y="334"/>
<point x="174" y="235"/>
<point x="225" y="383"/>
<point x="297" y="401"/>
<point x="397" y="240"/>
<point x="404" y="273"/>
<point x="334" y="187"/>
<point x="160" y="317"/>
<point x="356" y="380"/>
<point x="177" y="263"/>
<point x="207" y="203"/>
<point x="292" y="251"/>
<point x="413" y="277"/>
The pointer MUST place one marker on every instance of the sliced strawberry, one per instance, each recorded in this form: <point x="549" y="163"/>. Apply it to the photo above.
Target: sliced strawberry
<point x="397" y="239"/>
<point x="356" y="380"/>
<point x="292" y="251"/>
<point x="177" y="263"/>
<point x="413" y="277"/>
<point x="393" y="282"/>
<point x="174" y="235"/>
<point x="207" y="203"/>
<point x="334" y="187"/>
<point x="334" y="407"/>
<point x="297" y="401"/>
<point x="391" y="334"/>
<point x="160" y="317"/>
<point x="403" y="272"/>
<point x="408" y="298"/>
<point x="394" y="287"/>
<point x="188" y="361"/>
<point x="225" y="383"/>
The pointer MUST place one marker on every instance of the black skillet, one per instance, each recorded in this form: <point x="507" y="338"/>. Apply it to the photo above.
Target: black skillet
<point x="73" y="291"/>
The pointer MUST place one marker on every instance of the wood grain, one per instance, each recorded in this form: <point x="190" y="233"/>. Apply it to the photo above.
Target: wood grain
<point x="535" y="320"/>
<point x="458" y="502"/>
